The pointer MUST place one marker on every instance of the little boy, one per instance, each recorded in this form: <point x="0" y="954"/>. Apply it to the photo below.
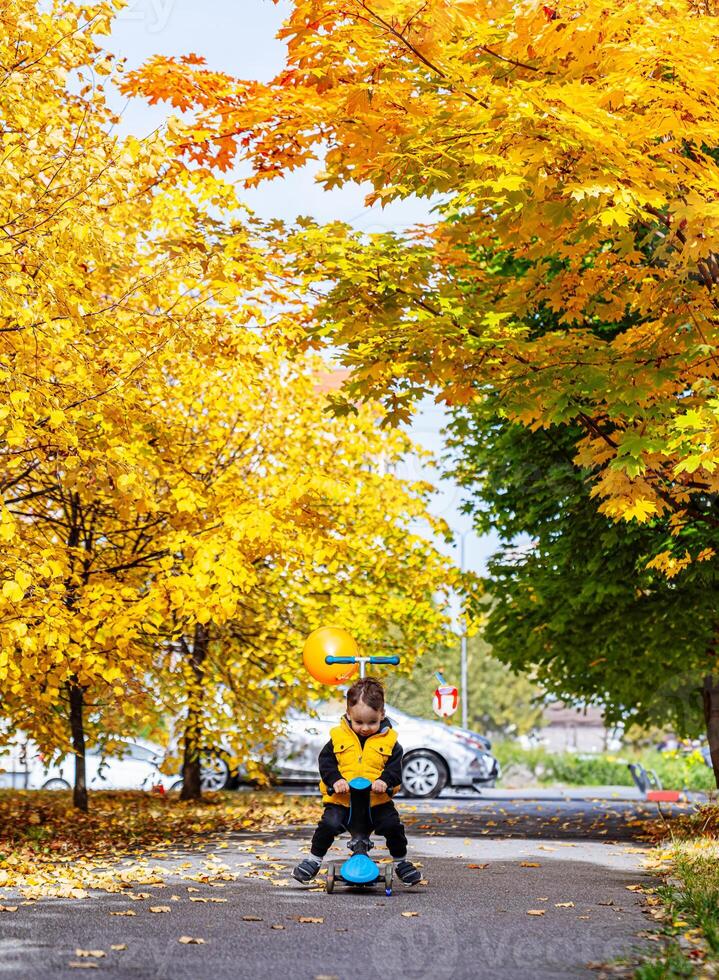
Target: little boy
<point x="363" y="744"/>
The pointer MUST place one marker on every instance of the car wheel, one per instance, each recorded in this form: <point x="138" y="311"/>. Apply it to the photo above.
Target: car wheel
<point x="56" y="784"/>
<point x="424" y="775"/>
<point x="214" y="772"/>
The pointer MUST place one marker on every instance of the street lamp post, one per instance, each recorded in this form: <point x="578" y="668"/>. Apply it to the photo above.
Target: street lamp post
<point x="463" y="640"/>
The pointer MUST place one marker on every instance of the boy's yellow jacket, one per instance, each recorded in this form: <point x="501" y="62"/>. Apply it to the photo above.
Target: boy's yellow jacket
<point x="354" y="759"/>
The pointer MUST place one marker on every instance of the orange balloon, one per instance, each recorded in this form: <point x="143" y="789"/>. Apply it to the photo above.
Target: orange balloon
<point x="330" y="641"/>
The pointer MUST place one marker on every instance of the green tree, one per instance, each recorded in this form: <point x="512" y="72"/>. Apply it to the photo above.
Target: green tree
<point x="575" y="599"/>
<point x="501" y="701"/>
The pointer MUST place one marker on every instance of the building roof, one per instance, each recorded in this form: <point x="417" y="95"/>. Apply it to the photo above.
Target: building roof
<point x="563" y="715"/>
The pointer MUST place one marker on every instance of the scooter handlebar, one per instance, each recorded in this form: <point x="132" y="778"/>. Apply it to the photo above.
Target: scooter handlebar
<point x="391" y="790"/>
<point x="353" y="660"/>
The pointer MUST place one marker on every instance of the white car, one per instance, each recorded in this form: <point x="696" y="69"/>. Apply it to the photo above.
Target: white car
<point x="22" y="766"/>
<point x="435" y="754"/>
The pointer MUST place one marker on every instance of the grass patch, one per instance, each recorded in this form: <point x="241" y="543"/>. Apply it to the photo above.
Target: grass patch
<point x="675" y="770"/>
<point x="671" y="965"/>
<point x="690" y="904"/>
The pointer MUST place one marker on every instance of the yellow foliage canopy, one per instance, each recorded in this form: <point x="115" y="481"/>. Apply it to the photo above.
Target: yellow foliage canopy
<point x="164" y="465"/>
<point x="572" y="156"/>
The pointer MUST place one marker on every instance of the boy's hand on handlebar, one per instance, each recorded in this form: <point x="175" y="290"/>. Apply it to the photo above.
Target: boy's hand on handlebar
<point x="341" y="786"/>
<point x="379" y="786"/>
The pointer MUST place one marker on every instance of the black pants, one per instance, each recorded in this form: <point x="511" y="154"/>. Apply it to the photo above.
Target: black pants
<point x="385" y="821"/>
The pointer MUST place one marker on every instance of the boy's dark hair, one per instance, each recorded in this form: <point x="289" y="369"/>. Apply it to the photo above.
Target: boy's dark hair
<point x="369" y="690"/>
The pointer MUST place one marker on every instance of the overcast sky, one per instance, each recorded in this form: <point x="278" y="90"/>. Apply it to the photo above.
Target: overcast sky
<point x="238" y="36"/>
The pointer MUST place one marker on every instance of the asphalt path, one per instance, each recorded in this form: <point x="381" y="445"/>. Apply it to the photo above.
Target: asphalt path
<point x="525" y="890"/>
<point x="588" y="819"/>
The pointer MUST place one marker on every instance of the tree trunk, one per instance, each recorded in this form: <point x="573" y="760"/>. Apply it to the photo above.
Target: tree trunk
<point x="79" y="792"/>
<point x="75" y="692"/>
<point x="710" y="694"/>
<point x="191" y="787"/>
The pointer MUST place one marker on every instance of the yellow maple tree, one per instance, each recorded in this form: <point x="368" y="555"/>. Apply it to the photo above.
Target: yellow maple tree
<point x="570" y="152"/>
<point x="329" y="534"/>
<point x="168" y="473"/>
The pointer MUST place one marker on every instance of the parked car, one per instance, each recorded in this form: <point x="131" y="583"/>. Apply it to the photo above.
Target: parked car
<point x="435" y="754"/>
<point x="22" y="766"/>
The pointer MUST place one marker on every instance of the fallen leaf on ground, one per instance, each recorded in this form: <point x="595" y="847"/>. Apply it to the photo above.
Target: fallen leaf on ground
<point x="310" y="918"/>
<point x="94" y="855"/>
<point x="125" y="912"/>
<point x="96" y="954"/>
<point x="252" y="918"/>
<point x="119" y="946"/>
<point x="529" y="864"/>
<point x="8" y="908"/>
<point x="536" y="911"/>
<point x="409" y="915"/>
<point x="82" y="964"/>
<point x="477" y="865"/>
<point x="190" y="940"/>
<point x="277" y="927"/>
<point x="159" y="908"/>
<point x="564" y="905"/>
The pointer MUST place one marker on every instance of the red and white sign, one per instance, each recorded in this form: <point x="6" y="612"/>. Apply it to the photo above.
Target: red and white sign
<point x="446" y="700"/>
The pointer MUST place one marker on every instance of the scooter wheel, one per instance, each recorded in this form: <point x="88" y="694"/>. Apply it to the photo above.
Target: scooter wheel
<point x="330" y="880"/>
<point x="388" y="872"/>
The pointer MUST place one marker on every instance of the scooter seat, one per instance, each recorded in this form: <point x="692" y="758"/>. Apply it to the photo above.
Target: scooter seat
<point x="359" y="870"/>
<point x="359" y="782"/>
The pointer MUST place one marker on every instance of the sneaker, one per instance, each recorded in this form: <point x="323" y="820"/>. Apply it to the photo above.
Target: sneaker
<point x="306" y="870"/>
<point x="407" y="873"/>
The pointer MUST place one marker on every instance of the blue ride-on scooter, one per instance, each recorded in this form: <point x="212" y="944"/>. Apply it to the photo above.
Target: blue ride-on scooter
<point x="359" y="870"/>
